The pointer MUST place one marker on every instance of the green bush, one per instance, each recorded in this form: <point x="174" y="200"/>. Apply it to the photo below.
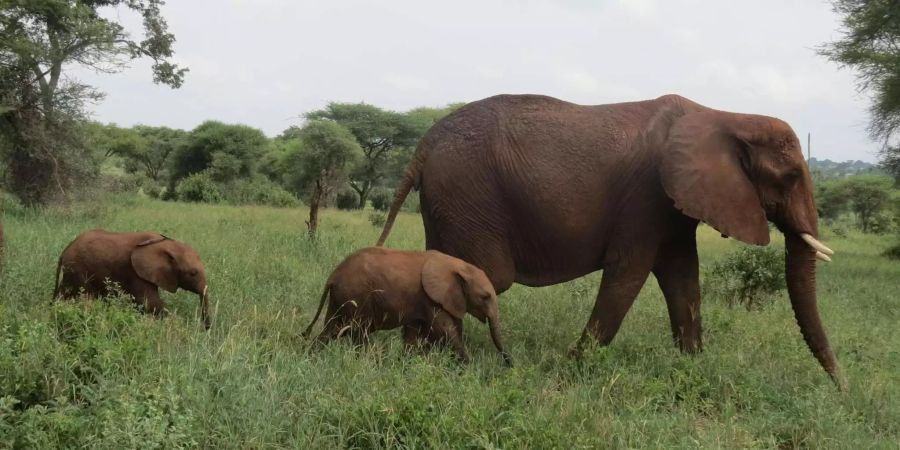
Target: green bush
<point x="259" y="192"/>
<point x="892" y="252"/>
<point x="347" y="200"/>
<point x="749" y="276"/>
<point x="381" y="199"/>
<point x="881" y="223"/>
<point x="198" y="187"/>
<point x="411" y="204"/>
<point x="839" y="231"/>
<point x="152" y="190"/>
<point x="377" y="219"/>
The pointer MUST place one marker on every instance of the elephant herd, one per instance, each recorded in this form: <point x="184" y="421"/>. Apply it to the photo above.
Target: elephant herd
<point x="537" y="191"/>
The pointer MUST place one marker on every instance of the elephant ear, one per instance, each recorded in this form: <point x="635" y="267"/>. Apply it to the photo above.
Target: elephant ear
<point x="442" y="278"/>
<point x="704" y="171"/>
<point x="153" y="262"/>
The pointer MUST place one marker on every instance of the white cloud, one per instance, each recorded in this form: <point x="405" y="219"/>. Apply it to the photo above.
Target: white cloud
<point x="406" y="82"/>
<point x="262" y="62"/>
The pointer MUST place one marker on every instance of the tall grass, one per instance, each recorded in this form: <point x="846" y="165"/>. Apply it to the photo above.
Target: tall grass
<point x="98" y="375"/>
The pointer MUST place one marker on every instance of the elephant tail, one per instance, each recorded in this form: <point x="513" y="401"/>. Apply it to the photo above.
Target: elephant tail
<point x="318" y="311"/>
<point x="409" y="182"/>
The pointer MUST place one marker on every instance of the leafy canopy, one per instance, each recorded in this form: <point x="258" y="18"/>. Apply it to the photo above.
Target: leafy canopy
<point x="871" y="45"/>
<point x="227" y="151"/>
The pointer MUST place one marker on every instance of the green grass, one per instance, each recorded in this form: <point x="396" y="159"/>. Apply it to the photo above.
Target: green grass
<point x="96" y="374"/>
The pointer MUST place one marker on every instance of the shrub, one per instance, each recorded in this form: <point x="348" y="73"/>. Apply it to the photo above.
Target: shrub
<point x="839" y="231"/>
<point x="411" y="204"/>
<point x="152" y="190"/>
<point x="198" y="187"/>
<point x="892" y="252"/>
<point x="748" y="276"/>
<point x="381" y="199"/>
<point x="377" y="219"/>
<point x="259" y="192"/>
<point x="347" y="200"/>
<point x="881" y="223"/>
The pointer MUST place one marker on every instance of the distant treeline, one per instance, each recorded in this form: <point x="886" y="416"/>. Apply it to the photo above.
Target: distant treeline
<point x="238" y="164"/>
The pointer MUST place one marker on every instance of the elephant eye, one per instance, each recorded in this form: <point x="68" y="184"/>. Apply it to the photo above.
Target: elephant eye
<point x="193" y="272"/>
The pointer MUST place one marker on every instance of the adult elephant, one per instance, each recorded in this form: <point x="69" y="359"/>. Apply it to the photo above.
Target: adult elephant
<point x="539" y="191"/>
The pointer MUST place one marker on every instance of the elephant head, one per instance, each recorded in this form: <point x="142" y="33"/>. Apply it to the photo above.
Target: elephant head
<point x="170" y="265"/>
<point x="736" y="172"/>
<point x="459" y="287"/>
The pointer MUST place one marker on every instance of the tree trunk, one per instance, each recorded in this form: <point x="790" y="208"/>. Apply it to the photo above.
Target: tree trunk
<point x="313" y="221"/>
<point x="364" y="195"/>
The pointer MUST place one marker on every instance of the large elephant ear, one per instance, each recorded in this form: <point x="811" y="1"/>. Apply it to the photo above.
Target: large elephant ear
<point x="704" y="170"/>
<point x="153" y="262"/>
<point x="442" y="278"/>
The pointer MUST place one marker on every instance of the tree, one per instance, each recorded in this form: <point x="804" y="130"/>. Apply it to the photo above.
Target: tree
<point x="321" y="162"/>
<point x="160" y="143"/>
<point x="228" y="151"/>
<point x="871" y="46"/>
<point x="378" y="132"/>
<point x="40" y="109"/>
<point x="869" y="196"/>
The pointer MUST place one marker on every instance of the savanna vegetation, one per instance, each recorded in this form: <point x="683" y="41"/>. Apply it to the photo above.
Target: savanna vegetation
<point x="98" y="374"/>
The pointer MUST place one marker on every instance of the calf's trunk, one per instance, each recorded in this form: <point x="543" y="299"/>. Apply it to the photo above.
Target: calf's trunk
<point x="494" y="325"/>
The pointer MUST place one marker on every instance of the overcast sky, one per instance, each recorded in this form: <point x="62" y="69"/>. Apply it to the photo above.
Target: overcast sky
<point x="265" y="62"/>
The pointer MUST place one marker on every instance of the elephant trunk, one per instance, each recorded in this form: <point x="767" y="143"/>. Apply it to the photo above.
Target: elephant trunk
<point x="494" y="325"/>
<point x="800" y="273"/>
<point x="204" y="307"/>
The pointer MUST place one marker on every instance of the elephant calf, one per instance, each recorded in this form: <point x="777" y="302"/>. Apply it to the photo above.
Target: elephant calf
<point x="425" y="293"/>
<point x="139" y="262"/>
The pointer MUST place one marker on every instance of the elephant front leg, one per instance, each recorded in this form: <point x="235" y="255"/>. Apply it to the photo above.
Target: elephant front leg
<point x="677" y="272"/>
<point x="619" y="287"/>
<point x="147" y="296"/>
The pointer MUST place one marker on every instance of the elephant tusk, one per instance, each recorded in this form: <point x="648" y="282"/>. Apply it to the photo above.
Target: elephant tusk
<point x="814" y="243"/>
<point x="822" y="257"/>
<point x="204" y="290"/>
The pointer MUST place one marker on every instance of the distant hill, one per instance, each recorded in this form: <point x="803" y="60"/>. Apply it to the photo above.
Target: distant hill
<point x="828" y="169"/>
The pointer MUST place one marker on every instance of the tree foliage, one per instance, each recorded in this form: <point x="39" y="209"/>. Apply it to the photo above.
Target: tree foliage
<point x="871" y="45"/>
<point x="227" y="151"/>
<point x="867" y="197"/>
<point x="41" y="110"/>
<point x="321" y="162"/>
<point x="380" y="134"/>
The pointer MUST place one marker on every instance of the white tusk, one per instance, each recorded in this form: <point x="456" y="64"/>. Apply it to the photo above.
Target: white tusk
<point x="204" y="290"/>
<point x="814" y="243"/>
<point x="822" y="257"/>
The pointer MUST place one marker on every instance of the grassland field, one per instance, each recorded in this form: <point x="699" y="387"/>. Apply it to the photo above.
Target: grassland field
<point x="95" y="374"/>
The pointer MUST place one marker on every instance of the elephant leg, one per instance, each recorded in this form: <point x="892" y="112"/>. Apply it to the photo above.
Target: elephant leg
<point x="147" y="295"/>
<point x="450" y="331"/>
<point x="413" y="336"/>
<point x="454" y="337"/>
<point x="677" y="272"/>
<point x="619" y="287"/>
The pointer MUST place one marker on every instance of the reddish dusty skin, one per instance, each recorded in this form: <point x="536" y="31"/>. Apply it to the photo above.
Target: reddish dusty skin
<point x="425" y="293"/>
<point x="140" y="263"/>
<point x="539" y="191"/>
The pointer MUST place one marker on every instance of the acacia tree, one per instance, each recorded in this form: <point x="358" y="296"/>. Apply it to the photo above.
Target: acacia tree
<point x="871" y="45"/>
<point x="227" y="151"/>
<point x="320" y="163"/>
<point x="378" y="132"/>
<point x="41" y="107"/>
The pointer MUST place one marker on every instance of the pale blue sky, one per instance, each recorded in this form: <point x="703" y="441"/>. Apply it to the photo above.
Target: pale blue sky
<point x="265" y="62"/>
